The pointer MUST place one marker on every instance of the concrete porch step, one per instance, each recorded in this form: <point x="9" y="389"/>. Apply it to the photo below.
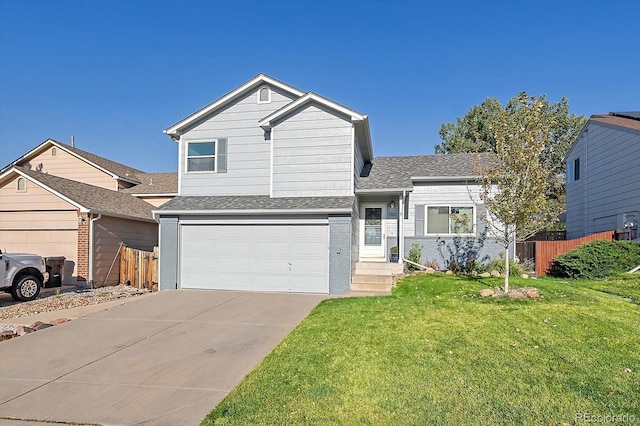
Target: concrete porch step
<point x="378" y="268"/>
<point x="377" y="283"/>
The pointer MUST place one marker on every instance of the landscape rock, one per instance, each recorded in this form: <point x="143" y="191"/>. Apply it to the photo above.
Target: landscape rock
<point x="6" y="335"/>
<point x="39" y="325"/>
<point x="486" y="292"/>
<point x="21" y="330"/>
<point x="449" y="272"/>
<point x="60" y="321"/>
<point x="485" y="275"/>
<point x="516" y="295"/>
<point x="495" y="274"/>
<point x="525" y="276"/>
<point x="429" y="270"/>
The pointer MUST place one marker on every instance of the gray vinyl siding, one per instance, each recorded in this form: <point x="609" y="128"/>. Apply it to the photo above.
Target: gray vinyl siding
<point x="312" y="155"/>
<point x="446" y="194"/>
<point x="248" y="153"/>
<point x="609" y="184"/>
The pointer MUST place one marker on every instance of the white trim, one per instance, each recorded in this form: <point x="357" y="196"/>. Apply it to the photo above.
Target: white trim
<point x="175" y="130"/>
<point x="180" y="170"/>
<point x="448" y="234"/>
<point x="215" y="155"/>
<point x="268" y="101"/>
<point x="266" y="123"/>
<point x="166" y="194"/>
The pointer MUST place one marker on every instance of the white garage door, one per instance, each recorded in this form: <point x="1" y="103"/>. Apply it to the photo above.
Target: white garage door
<point x="255" y="257"/>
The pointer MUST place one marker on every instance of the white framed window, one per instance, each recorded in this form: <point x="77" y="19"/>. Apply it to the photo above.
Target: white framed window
<point x="264" y="95"/>
<point x="21" y="185"/>
<point x="207" y="156"/>
<point x="448" y="219"/>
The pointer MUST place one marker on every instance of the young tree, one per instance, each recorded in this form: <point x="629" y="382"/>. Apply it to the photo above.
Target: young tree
<point x="514" y="184"/>
<point x="474" y="133"/>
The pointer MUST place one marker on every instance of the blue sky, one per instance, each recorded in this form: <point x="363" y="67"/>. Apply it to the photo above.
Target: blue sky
<point x="116" y="73"/>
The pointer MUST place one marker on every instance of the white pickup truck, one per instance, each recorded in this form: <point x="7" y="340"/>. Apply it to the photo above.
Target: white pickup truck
<point x="22" y="275"/>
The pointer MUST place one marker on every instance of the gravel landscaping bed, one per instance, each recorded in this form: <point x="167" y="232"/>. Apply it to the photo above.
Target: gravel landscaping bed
<point x="66" y="300"/>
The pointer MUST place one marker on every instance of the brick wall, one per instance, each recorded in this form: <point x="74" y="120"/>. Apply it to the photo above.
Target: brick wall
<point x="82" y="267"/>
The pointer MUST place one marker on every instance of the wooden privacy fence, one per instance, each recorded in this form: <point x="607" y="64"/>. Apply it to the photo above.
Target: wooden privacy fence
<point x="546" y="251"/>
<point x="139" y="268"/>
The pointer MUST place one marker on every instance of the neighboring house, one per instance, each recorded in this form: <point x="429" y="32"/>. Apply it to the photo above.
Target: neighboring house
<point x="279" y="191"/>
<point x="603" y="176"/>
<point x="58" y="200"/>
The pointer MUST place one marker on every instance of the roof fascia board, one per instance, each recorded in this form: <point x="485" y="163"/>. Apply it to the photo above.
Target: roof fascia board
<point x="442" y="178"/>
<point x="266" y="122"/>
<point x="249" y="211"/>
<point x="162" y="194"/>
<point x="383" y="191"/>
<point x="53" y="191"/>
<point x="175" y="130"/>
<point x="121" y="216"/>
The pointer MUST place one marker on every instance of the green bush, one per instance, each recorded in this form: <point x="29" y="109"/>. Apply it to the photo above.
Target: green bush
<point x="415" y="255"/>
<point x="597" y="259"/>
<point x="515" y="269"/>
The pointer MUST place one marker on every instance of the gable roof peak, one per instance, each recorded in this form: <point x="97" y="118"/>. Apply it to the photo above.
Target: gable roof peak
<point x="178" y="128"/>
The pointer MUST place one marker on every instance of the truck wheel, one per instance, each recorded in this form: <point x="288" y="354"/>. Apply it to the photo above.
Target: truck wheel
<point x="26" y="288"/>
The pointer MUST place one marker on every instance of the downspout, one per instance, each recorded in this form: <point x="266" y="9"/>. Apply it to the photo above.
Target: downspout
<point x="91" y="247"/>
<point x="401" y="242"/>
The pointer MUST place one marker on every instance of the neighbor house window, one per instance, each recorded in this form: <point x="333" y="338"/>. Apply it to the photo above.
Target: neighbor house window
<point x="22" y="185"/>
<point x="444" y="220"/>
<point x="54" y="152"/>
<point x="264" y="95"/>
<point x="573" y="170"/>
<point x="209" y="156"/>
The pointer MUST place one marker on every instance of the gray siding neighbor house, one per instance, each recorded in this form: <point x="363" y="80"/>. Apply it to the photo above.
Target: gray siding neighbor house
<point x="603" y="176"/>
<point x="279" y="190"/>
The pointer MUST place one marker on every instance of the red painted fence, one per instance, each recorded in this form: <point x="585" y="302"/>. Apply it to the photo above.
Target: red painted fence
<point x="546" y="251"/>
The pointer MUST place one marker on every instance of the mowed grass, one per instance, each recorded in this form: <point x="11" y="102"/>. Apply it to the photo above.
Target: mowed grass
<point x="436" y="353"/>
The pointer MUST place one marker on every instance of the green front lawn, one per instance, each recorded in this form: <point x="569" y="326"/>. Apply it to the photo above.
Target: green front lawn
<point x="436" y="353"/>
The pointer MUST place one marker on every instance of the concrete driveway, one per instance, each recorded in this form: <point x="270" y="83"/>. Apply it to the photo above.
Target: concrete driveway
<point x="166" y="359"/>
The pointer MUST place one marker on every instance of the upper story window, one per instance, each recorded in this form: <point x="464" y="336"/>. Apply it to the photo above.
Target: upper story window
<point x="264" y="95"/>
<point x="21" y="185"/>
<point x="54" y="151"/>
<point x="573" y="170"/>
<point x="207" y="156"/>
<point x="444" y="220"/>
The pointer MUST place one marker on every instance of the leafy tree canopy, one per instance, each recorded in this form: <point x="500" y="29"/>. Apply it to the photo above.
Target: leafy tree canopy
<point x="475" y="132"/>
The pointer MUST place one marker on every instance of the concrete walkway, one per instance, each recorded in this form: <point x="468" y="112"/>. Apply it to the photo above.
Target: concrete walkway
<point x="163" y="359"/>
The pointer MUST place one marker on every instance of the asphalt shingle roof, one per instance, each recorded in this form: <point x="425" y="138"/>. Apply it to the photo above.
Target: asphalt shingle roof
<point x="256" y="202"/>
<point x="388" y="173"/>
<point x="621" y="119"/>
<point x="118" y="169"/>
<point x="94" y="198"/>
<point x="155" y="183"/>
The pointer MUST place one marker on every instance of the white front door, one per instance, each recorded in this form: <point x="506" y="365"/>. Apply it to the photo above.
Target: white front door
<point x="373" y="232"/>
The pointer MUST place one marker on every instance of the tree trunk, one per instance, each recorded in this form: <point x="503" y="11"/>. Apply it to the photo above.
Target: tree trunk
<point x="506" y="269"/>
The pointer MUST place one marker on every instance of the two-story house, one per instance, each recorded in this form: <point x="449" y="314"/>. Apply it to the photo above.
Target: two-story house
<point x="58" y="200"/>
<point x="603" y="176"/>
<point x="279" y="190"/>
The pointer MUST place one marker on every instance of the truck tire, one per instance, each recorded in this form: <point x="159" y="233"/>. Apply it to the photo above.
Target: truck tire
<point x="26" y="287"/>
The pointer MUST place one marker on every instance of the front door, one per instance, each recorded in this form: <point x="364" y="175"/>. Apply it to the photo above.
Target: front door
<point x="372" y="233"/>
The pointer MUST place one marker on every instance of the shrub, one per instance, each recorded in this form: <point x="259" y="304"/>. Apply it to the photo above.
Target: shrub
<point x="415" y="255"/>
<point x="515" y="269"/>
<point x="597" y="259"/>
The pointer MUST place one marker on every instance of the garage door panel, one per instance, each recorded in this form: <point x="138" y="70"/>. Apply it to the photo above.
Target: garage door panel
<point x="255" y="257"/>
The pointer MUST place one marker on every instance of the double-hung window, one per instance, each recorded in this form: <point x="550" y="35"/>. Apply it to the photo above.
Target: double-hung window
<point x="207" y="156"/>
<point x="431" y="220"/>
